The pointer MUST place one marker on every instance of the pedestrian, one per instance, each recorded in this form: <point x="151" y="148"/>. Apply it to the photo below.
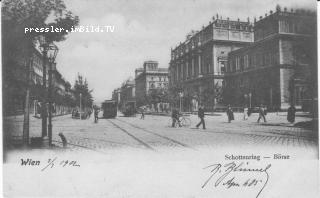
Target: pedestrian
<point x="262" y="113"/>
<point x="89" y="113"/>
<point x="245" y="113"/>
<point x="230" y="114"/>
<point x="175" y="117"/>
<point x="201" y="116"/>
<point x="291" y="115"/>
<point x="96" y="112"/>
<point x="142" y="113"/>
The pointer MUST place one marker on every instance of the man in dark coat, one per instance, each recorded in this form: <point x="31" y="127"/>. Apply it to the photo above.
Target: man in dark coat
<point x="291" y="114"/>
<point x="96" y="113"/>
<point x="201" y="116"/>
<point x="230" y="114"/>
<point x="262" y="113"/>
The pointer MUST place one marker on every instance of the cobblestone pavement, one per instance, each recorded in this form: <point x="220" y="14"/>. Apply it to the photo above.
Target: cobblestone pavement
<point x="155" y="133"/>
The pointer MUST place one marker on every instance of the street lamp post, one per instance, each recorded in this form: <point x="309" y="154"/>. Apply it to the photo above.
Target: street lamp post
<point x="52" y="69"/>
<point x="80" y="106"/>
<point x="52" y="56"/>
<point x="51" y="50"/>
<point x="44" y="49"/>
<point x="250" y="99"/>
<point x="180" y="95"/>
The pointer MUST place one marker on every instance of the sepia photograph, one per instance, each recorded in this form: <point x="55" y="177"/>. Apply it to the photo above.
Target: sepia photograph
<point x="159" y="98"/>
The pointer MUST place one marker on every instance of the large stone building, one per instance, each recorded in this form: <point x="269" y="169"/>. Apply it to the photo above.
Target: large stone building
<point x="197" y="65"/>
<point x="149" y="78"/>
<point x="280" y="67"/>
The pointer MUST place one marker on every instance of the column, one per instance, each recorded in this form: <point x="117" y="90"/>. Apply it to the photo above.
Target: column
<point x="187" y="69"/>
<point x="192" y="66"/>
<point x="199" y="65"/>
<point x="177" y="72"/>
<point x="182" y="71"/>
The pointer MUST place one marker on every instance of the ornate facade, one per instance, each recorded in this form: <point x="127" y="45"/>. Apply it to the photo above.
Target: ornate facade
<point x="280" y="67"/>
<point x="197" y="66"/>
<point x="148" y="78"/>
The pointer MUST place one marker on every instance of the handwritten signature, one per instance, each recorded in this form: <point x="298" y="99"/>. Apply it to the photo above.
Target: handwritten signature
<point x="227" y="177"/>
<point x="62" y="163"/>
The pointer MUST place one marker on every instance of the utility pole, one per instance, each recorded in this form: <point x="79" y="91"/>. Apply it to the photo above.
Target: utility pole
<point x="26" y="119"/>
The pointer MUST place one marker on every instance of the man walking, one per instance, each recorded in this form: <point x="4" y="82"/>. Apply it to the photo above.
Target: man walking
<point x="262" y="113"/>
<point x="142" y="113"/>
<point x="96" y="112"/>
<point x="230" y="114"/>
<point x="201" y="116"/>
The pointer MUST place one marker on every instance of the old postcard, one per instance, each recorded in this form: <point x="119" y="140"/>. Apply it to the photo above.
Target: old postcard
<point x="164" y="99"/>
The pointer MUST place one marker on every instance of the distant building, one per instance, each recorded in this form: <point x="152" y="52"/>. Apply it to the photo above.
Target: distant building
<point x="148" y="78"/>
<point x="128" y="92"/>
<point x="116" y="95"/>
<point x="280" y="67"/>
<point x="197" y="65"/>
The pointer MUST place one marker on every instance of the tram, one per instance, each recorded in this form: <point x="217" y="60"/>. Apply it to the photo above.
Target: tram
<point x="109" y="108"/>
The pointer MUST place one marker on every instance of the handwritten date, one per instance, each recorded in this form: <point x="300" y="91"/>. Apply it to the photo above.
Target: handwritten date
<point x="62" y="163"/>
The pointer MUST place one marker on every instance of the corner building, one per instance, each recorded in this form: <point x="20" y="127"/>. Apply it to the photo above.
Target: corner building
<point x="197" y="66"/>
<point x="277" y="69"/>
<point x="148" y="78"/>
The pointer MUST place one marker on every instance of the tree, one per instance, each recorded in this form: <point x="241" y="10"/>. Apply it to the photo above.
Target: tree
<point x="81" y="86"/>
<point x="18" y="15"/>
<point x="18" y="46"/>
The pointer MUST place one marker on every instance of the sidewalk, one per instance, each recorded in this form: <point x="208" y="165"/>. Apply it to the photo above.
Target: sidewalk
<point x="13" y="127"/>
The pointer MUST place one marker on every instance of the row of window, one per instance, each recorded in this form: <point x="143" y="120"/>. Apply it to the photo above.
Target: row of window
<point x="243" y="62"/>
<point x="152" y="85"/>
<point x="160" y="79"/>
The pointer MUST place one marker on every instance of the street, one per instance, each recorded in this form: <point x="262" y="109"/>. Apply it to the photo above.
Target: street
<point x="130" y="157"/>
<point x="155" y="133"/>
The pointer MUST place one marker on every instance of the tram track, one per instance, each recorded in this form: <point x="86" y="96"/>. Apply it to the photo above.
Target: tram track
<point x="142" y="141"/>
<point x="147" y="146"/>
<point x="156" y="134"/>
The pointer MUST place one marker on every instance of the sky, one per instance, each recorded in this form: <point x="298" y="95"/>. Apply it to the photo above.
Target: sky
<point x="144" y="30"/>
